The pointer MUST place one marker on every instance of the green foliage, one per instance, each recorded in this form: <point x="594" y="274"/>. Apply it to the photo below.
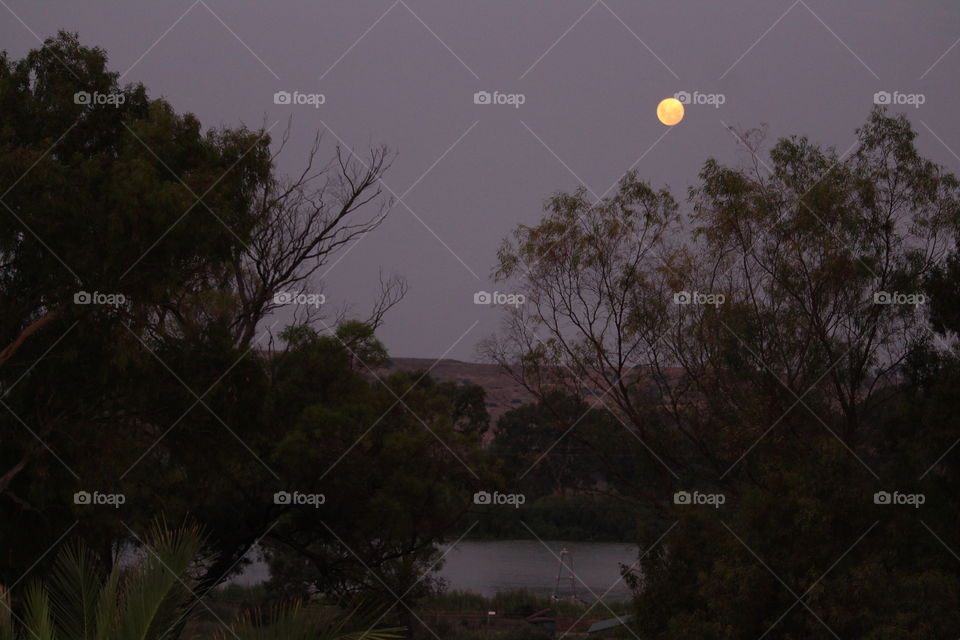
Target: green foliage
<point x="571" y="463"/>
<point x="152" y="600"/>
<point x="397" y="471"/>
<point x="102" y="199"/>
<point x="149" y="602"/>
<point x="829" y="233"/>
<point x="358" y="337"/>
<point x="296" y="623"/>
<point x="556" y="517"/>
<point x="532" y="443"/>
<point x="798" y="395"/>
<point x="169" y="397"/>
<point x="83" y="607"/>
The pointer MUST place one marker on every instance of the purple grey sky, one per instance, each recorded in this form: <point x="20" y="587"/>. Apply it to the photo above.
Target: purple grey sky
<point x="403" y="73"/>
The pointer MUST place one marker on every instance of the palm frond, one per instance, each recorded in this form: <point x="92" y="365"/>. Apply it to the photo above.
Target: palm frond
<point x="293" y="622"/>
<point x="108" y="607"/>
<point x="6" y="615"/>
<point x="335" y="625"/>
<point x="160" y="586"/>
<point x="38" y="618"/>
<point x="73" y="589"/>
<point x="150" y="602"/>
<point x="393" y="633"/>
<point x="285" y="622"/>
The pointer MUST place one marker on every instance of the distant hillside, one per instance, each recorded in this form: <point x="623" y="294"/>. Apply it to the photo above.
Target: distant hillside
<point x="503" y="393"/>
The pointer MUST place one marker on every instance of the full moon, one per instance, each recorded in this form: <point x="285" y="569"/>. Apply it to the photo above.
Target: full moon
<point x="670" y="111"/>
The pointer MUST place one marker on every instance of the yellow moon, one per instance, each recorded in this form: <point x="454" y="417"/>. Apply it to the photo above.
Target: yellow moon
<point x="670" y="111"/>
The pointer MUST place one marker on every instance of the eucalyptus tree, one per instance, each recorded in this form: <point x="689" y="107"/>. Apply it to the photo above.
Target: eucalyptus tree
<point x="140" y="256"/>
<point x="771" y="344"/>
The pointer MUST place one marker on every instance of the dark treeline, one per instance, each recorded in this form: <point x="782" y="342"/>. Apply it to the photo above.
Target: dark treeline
<point x="781" y="362"/>
<point x="140" y="256"/>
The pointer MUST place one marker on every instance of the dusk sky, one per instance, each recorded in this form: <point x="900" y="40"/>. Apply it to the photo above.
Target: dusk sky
<point x="589" y="75"/>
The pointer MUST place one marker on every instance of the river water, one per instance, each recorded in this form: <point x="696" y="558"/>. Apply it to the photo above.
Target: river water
<point x="486" y="567"/>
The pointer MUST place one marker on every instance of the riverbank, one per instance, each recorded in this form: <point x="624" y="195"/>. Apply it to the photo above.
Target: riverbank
<point x="517" y="614"/>
<point x="584" y="518"/>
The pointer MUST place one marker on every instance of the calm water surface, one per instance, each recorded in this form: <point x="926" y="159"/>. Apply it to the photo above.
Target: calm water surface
<point x="486" y="567"/>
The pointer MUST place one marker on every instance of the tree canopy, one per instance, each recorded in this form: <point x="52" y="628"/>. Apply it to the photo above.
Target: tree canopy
<point x="141" y="256"/>
<point x="784" y="354"/>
